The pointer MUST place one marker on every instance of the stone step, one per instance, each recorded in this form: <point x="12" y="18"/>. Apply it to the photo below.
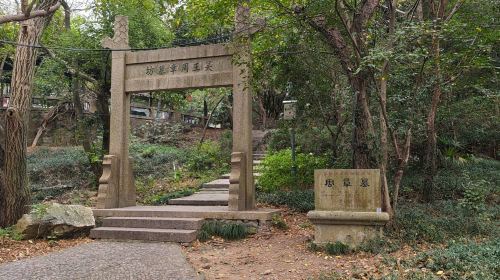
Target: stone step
<point x="203" y="199"/>
<point x="153" y="222"/>
<point x="226" y="176"/>
<point x="217" y="184"/>
<point x="257" y="162"/>
<point x="259" y="156"/>
<point x="186" y="211"/>
<point x="148" y="234"/>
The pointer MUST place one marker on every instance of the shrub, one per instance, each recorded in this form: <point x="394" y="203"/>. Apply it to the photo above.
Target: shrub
<point x="463" y="260"/>
<point x="276" y="171"/>
<point x="337" y="248"/>
<point x="441" y="221"/>
<point x="226" y="230"/>
<point x="48" y="167"/>
<point x="298" y="200"/>
<point x="308" y="139"/>
<point x="278" y="222"/>
<point x="155" y="161"/>
<point x="379" y="245"/>
<point x="164" y="198"/>
<point x="454" y="178"/>
<point x="10" y="233"/>
<point x="207" y="156"/>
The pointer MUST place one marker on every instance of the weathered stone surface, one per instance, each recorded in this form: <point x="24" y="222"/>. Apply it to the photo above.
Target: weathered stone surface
<point x="350" y="228"/>
<point x="176" y="68"/>
<point x="347" y="206"/>
<point x="56" y="220"/>
<point x="347" y="190"/>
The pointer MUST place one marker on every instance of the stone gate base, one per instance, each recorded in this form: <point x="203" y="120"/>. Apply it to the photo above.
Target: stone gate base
<point x="350" y="228"/>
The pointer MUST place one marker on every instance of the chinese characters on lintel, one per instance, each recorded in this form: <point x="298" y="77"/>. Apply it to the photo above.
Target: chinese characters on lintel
<point x="183" y="68"/>
<point x="347" y="183"/>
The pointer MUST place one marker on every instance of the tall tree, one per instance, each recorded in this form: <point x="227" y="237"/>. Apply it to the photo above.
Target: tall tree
<point x="14" y="193"/>
<point x="349" y="42"/>
<point x="439" y="12"/>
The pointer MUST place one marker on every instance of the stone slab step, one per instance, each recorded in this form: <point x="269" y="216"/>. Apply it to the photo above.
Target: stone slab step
<point x="187" y="211"/>
<point x="147" y="234"/>
<point x="257" y="162"/>
<point x="259" y="156"/>
<point x="213" y="191"/>
<point x="202" y="199"/>
<point x="217" y="184"/>
<point x="226" y="176"/>
<point x="153" y="222"/>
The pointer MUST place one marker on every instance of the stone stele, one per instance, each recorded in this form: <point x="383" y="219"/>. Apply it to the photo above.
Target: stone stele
<point x="348" y="205"/>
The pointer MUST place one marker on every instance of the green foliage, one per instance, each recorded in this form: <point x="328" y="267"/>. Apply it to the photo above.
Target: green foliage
<point x="454" y="178"/>
<point x="39" y="210"/>
<point x="164" y="198"/>
<point x="276" y="171"/>
<point x="10" y="233"/>
<point x="49" y="167"/>
<point x="208" y="156"/>
<point x="337" y="248"/>
<point x="278" y="222"/>
<point x="155" y="161"/>
<point x="297" y="200"/>
<point x="462" y="260"/>
<point x="475" y="194"/>
<point x="226" y="230"/>
<point x="379" y="245"/>
<point x="442" y="221"/>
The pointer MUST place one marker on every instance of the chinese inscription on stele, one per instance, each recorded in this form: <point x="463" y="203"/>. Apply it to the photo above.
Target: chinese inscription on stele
<point x="183" y="67"/>
<point x="179" y="68"/>
<point x="347" y="190"/>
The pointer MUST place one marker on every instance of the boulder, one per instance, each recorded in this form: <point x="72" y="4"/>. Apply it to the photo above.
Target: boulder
<point x="56" y="221"/>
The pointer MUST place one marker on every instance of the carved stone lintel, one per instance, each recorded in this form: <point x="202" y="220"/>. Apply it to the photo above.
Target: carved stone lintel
<point x="107" y="196"/>
<point x="237" y="181"/>
<point x="120" y="39"/>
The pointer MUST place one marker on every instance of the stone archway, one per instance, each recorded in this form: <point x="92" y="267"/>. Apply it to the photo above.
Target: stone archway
<point x="178" y="68"/>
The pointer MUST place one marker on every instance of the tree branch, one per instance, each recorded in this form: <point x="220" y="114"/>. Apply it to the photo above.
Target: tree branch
<point x="23" y="17"/>
<point x="70" y="69"/>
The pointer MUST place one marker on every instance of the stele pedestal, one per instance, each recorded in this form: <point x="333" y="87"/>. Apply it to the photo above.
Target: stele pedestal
<point x="348" y="206"/>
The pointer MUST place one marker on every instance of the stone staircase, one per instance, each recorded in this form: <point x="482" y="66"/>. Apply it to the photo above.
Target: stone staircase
<point x="177" y="222"/>
<point x="215" y="192"/>
<point x="182" y="230"/>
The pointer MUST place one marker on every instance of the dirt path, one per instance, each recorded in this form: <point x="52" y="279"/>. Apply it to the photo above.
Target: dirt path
<point x="277" y="255"/>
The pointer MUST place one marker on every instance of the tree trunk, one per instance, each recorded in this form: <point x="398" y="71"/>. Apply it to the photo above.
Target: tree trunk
<point x="430" y="165"/>
<point x="384" y="148"/>
<point x="82" y="129"/>
<point x="15" y="193"/>
<point x="102" y="108"/>
<point x="363" y="136"/>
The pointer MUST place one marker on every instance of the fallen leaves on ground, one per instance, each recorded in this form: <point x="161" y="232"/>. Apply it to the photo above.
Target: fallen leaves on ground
<point x="283" y="254"/>
<point x="13" y="250"/>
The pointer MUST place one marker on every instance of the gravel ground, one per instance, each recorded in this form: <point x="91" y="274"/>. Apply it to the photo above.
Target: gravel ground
<point x="105" y="260"/>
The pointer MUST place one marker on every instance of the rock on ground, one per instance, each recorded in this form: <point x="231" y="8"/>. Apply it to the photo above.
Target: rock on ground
<point x="56" y="220"/>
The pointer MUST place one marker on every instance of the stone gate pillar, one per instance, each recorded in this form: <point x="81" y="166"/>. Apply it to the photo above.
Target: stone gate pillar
<point x="242" y="174"/>
<point x="116" y="186"/>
